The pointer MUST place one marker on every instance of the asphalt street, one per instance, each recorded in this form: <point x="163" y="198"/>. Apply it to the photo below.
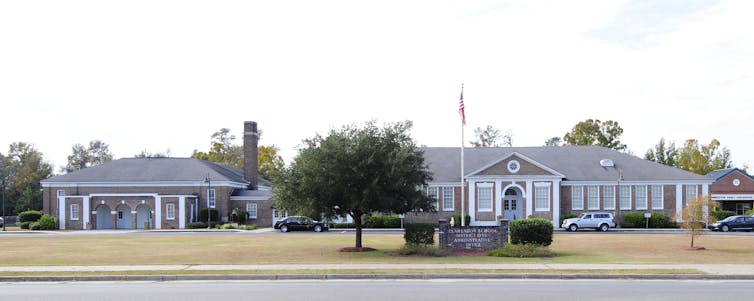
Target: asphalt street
<point x="380" y="290"/>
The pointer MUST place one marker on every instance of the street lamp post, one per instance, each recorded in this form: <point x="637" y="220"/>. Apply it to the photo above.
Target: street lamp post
<point x="209" y="212"/>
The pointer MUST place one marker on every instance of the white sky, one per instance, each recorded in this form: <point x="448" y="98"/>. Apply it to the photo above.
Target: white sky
<point x="167" y="74"/>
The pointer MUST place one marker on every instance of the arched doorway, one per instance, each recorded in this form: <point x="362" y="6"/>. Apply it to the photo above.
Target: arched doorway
<point x="143" y="216"/>
<point x="512" y="201"/>
<point x="123" y="221"/>
<point x="104" y="218"/>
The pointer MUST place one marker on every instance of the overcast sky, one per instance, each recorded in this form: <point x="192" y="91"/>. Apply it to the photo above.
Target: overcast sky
<point x="160" y="75"/>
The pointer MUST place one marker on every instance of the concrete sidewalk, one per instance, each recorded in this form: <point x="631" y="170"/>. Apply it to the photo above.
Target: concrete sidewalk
<point x="470" y="271"/>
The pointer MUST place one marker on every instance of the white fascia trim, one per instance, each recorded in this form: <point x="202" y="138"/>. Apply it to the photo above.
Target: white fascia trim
<point x="145" y="184"/>
<point x="444" y="184"/>
<point x="525" y="158"/>
<point x="624" y="182"/>
<point x="248" y="198"/>
<point x="515" y="178"/>
<point x="542" y="184"/>
<point x="178" y="195"/>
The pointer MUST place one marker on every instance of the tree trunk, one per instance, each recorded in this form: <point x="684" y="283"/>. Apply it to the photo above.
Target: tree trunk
<point x="357" y="224"/>
<point x="693" y="234"/>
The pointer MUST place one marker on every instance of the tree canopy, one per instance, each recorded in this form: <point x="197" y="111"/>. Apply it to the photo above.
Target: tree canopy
<point x="356" y="171"/>
<point x="693" y="156"/>
<point x="23" y="169"/>
<point x="490" y="137"/>
<point x="596" y="132"/>
<point x="147" y="154"/>
<point x="224" y="151"/>
<point x="554" y="141"/>
<point x="81" y="156"/>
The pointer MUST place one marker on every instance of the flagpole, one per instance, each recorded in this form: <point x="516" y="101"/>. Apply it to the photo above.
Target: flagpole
<point x="463" y="187"/>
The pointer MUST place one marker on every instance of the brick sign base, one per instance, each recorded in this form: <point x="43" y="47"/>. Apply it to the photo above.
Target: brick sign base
<point x="481" y="238"/>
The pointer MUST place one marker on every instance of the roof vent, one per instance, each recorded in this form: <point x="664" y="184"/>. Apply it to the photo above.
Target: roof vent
<point x="607" y="163"/>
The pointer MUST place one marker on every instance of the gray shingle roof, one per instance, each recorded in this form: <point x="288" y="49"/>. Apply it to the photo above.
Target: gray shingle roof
<point x="721" y="173"/>
<point x="154" y="170"/>
<point x="577" y="163"/>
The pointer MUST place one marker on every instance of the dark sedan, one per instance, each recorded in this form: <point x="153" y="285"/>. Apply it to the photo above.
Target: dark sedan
<point x="734" y="223"/>
<point x="301" y="223"/>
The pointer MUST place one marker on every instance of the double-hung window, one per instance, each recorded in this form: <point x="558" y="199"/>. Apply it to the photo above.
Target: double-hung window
<point x="641" y="197"/>
<point x="211" y="198"/>
<point x="691" y="193"/>
<point x="448" y="199"/>
<point x="542" y="196"/>
<point x="251" y="209"/>
<point x="657" y="197"/>
<point x="625" y="197"/>
<point x="484" y="197"/>
<point x="432" y="194"/>
<point x="170" y="211"/>
<point x="593" y="197"/>
<point x="74" y="212"/>
<point x="577" y="197"/>
<point x="608" y="197"/>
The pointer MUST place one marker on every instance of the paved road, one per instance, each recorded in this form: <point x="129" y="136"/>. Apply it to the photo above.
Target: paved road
<point x="416" y="290"/>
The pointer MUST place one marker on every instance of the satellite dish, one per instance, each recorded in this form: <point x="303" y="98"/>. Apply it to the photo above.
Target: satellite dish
<point x="607" y="163"/>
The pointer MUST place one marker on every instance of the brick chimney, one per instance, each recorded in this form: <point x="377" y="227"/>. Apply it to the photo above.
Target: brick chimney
<point x="250" y="153"/>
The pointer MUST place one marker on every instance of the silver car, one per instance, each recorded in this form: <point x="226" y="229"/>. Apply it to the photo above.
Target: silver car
<point x="601" y="221"/>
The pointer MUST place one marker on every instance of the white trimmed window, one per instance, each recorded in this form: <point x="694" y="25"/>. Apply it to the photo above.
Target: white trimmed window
<point x="542" y="196"/>
<point x="170" y="211"/>
<point x="74" y="212"/>
<point x="60" y="192"/>
<point x="691" y="193"/>
<point x="608" y="197"/>
<point x="484" y="197"/>
<point x="641" y="197"/>
<point x="448" y="199"/>
<point x="432" y="193"/>
<point x="577" y="197"/>
<point x="211" y="198"/>
<point x="593" y="197"/>
<point x="251" y="209"/>
<point x="625" y="197"/>
<point x="657" y="197"/>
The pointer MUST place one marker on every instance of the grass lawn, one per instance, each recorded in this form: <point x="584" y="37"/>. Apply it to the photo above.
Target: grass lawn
<point x="276" y="248"/>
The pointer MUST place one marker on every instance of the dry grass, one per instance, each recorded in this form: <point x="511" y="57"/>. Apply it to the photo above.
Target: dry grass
<point x="275" y="248"/>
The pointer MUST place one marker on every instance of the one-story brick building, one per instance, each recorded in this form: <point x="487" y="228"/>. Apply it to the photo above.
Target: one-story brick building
<point x="547" y="182"/>
<point x="733" y="189"/>
<point x="159" y="193"/>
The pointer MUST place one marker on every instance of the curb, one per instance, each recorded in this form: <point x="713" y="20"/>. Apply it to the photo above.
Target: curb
<point x="161" y="278"/>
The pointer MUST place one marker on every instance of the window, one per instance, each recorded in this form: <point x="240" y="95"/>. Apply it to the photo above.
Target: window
<point x="60" y="192"/>
<point x="577" y="197"/>
<point x="74" y="212"/>
<point x="657" y="197"/>
<point x="251" y="209"/>
<point x="594" y="197"/>
<point x="690" y="193"/>
<point x="484" y="194"/>
<point x="211" y="198"/>
<point x="432" y="193"/>
<point x="641" y="197"/>
<point x="542" y="196"/>
<point x="447" y="199"/>
<point x="120" y="214"/>
<point x="608" y="197"/>
<point x="625" y="197"/>
<point x="170" y="211"/>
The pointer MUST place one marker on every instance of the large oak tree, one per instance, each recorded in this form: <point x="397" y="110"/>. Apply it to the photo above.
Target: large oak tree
<point x="596" y="132"/>
<point x="356" y="171"/>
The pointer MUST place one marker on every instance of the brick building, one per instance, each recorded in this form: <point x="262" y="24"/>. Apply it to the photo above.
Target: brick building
<point x="733" y="189"/>
<point x="547" y="182"/>
<point x="159" y="193"/>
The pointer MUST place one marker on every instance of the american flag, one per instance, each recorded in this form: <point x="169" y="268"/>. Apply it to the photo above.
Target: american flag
<point x="461" y="110"/>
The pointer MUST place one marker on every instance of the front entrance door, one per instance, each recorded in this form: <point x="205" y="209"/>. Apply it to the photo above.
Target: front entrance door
<point x="512" y="204"/>
<point x="104" y="218"/>
<point x="124" y="217"/>
<point x="143" y="217"/>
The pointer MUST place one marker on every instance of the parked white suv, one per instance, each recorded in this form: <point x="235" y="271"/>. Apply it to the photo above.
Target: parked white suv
<point x="602" y="221"/>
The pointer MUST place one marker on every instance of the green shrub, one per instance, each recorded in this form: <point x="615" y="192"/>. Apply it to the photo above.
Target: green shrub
<point x="374" y="221"/>
<point x="213" y="214"/>
<point x="46" y="222"/>
<point x="566" y="216"/>
<point x="197" y="225"/>
<point x="457" y="220"/>
<point x="392" y="221"/>
<point x="249" y="227"/>
<point x="29" y="216"/>
<point x="721" y="214"/>
<point x="421" y="250"/>
<point x="659" y="220"/>
<point x="531" y="231"/>
<point x="420" y="234"/>
<point x="522" y="251"/>
<point x="750" y="212"/>
<point x="634" y="220"/>
<point x="34" y="226"/>
<point x="341" y="225"/>
<point x="229" y="226"/>
<point x="24" y="225"/>
<point x="241" y="217"/>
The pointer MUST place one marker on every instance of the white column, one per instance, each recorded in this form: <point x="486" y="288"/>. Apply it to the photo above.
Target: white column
<point x="705" y="193"/>
<point x="85" y="212"/>
<point x="157" y="212"/>
<point x="497" y="198"/>
<point x="472" y="203"/>
<point x="556" y="203"/>
<point x="181" y="212"/>
<point x="529" y="197"/>
<point x="61" y="212"/>
<point x="678" y="201"/>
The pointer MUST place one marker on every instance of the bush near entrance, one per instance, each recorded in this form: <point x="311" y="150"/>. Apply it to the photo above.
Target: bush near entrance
<point x="420" y="234"/>
<point x="457" y="220"/>
<point x="213" y="215"/>
<point x="531" y="231"/>
<point x="29" y="216"/>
